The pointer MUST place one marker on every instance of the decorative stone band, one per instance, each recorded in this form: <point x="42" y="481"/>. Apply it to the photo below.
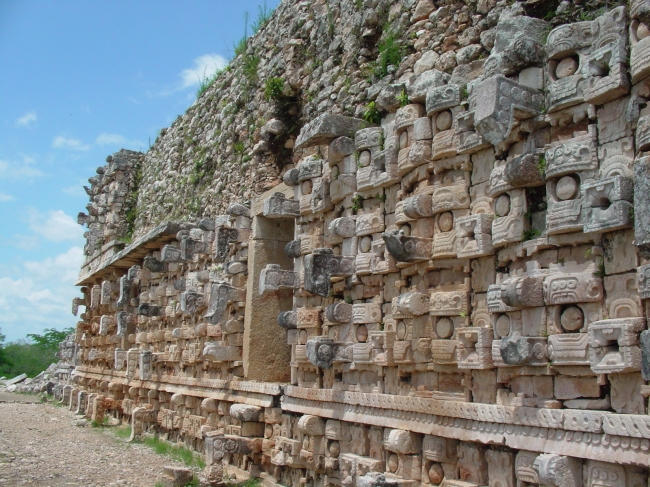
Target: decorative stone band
<point x="256" y="394"/>
<point x="594" y="446"/>
<point x="635" y="426"/>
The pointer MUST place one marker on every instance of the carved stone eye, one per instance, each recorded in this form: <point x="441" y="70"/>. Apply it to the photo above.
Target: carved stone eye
<point x="364" y="158"/>
<point x="502" y="326"/>
<point x="444" y="328"/>
<point x="446" y="221"/>
<point x="403" y="140"/>
<point x="566" y="188"/>
<point x="393" y="463"/>
<point x="362" y="334"/>
<point x="572" y="318"/>
<point x="436" y="474"/>
<point x="502" y="205"/>
<point x="642" y="31"/>
<point x="444" y="120"/>
<point x="567" y="67"/>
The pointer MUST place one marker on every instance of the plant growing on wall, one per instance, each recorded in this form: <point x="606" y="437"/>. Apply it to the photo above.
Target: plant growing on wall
<point x="371" y="114"/>
<point x="273" y="89"/>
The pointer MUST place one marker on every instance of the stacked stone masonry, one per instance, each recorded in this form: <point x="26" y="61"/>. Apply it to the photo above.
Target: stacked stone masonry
<point x="455" y="296"/>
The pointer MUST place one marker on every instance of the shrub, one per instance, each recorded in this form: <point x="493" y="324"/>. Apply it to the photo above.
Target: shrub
<point x="273" y="89"/>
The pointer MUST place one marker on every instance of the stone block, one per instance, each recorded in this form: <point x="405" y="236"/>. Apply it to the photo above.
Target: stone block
<point x="642" y="205"/>
<point x="575" y="387"/>
<point x="558" y="471"/>
<point x="418" y="85"/>
<point x="326" y="128"/>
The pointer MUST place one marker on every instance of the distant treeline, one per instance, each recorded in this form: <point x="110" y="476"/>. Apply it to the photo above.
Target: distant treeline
<point x="30" y="356"/>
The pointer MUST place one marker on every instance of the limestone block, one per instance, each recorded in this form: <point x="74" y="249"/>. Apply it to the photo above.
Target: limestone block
<point x="523" y="292"/>
<point x="524" y="470"/>
<point x="406" y="117"/>
<point x="501" y="101"/>
<point x="642" y="205"/>
<point x="311" y="425"/>
<point x="474" y="236"/>
<point x="246" y="412"/>
<point x="222" y="293"/>
<point x="501" y="468"/>
<point x="339" y="148"/>
<point x="573" y="155"/>
<point x="192" y="302"/>
<point x="418" y="85"/>
<point x="145" y="309"/>
<point x="608" y="204"/>
<point x="287" y="320"/>
<point x="442" y="98"/>
<point x="344" y="227"/>
<point x="449" y="300"/>
<point x="369" y="223"/>
<point x="451" y="197"/>
<point x="190" y="248"/>
<point x="614" y="345"/>
<point x="575" y="387"/>
<point x="170" y="253"/>
<point x="310" y="168"/>
<point x="569" y="349"/>
<point x="407" y="249"/>
<point x="524" y="171"/>
<point x="368" y="138"/>
<point x="645" y="354"/>
<point x="410" y="304"/>
<point x="565" y="200"/>
<point x="523" y="350"/>
<point x="472" y="464"/>
<point x="321" y="351"/>
<point x="220" y="353"/>
<point x="278" y="206"/>
<point x="569" y="284"/>
<point x="417" y="206"/>
<point x="558" y="471"/>
<point x="343" y="186"/>
<point x="273" y="278"/>
<point x="474" y="349"/>
<point x="339" y="313"/>
<point x="326" y="128"/>
<point x="626" y="394"/>
<point x="466" y="138"/>
<point x="320" y="266"/>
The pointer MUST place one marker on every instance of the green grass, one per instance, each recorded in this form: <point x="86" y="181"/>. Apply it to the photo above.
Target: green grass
<point x="123" y="432"/>
<point x="177" y="452"/>
<point x="391" y="53"/>
<point x="263" y="15"/>
<point x="371" y="114"/>
<point x="273" y="89"/>
<point x="250" y="65"/>
<point x="99" y="424"/>
<point x="246" y="483"/>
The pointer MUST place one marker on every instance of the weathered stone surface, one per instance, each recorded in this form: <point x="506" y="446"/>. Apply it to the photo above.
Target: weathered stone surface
<point x="326" y="128"/>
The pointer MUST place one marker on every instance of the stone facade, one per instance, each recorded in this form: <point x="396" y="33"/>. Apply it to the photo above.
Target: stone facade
<point x="455" y="295"/>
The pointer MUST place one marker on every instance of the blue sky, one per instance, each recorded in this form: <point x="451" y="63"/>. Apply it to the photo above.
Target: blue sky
<point x="81" y="80"/>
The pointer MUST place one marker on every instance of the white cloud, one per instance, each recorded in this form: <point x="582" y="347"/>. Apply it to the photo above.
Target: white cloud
<point x="5" y="197"/>
<point x="36" y="294"/>
<point x="54" y="225"/>
<point x="118" y="140"/>
<point x="204" y="67"/>
<point x="27" y="119"/>
<point x="62" y="142"/>
<point x="110" y="139"/>
<point x="19" y="169"/>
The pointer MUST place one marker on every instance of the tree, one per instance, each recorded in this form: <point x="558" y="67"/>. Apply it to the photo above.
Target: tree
<point x="3" y="355"/>
<point x="34" y="356"/>
<point x="50" y="338"/>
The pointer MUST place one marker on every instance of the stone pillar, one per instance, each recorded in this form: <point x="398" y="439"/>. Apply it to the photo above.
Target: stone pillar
<point x="266" y="354"/>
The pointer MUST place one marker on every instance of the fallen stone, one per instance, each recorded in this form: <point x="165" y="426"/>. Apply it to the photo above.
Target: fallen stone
<point x="16" y="380"/>
<point x="178" y="476"/>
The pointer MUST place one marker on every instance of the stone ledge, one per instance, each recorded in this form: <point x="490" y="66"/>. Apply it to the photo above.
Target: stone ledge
<point x="602" y="447"/>
<point x="132" y="254"/>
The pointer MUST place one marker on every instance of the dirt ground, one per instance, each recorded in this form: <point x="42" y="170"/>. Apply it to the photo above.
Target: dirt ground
<point x="40" y="447"/>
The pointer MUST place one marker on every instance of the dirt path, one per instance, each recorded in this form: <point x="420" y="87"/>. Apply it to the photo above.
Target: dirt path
<point x="40" y="447"/>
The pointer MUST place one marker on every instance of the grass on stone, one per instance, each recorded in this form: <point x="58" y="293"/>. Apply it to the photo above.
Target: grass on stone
<point x="177" y="452"/>
<point x="123" y="432"/>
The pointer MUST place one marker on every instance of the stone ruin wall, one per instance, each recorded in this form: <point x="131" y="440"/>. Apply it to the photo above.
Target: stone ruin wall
<point x="457" y="295"/>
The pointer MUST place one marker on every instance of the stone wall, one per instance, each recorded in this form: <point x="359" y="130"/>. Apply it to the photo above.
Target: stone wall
<point x="452" y="291"/>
